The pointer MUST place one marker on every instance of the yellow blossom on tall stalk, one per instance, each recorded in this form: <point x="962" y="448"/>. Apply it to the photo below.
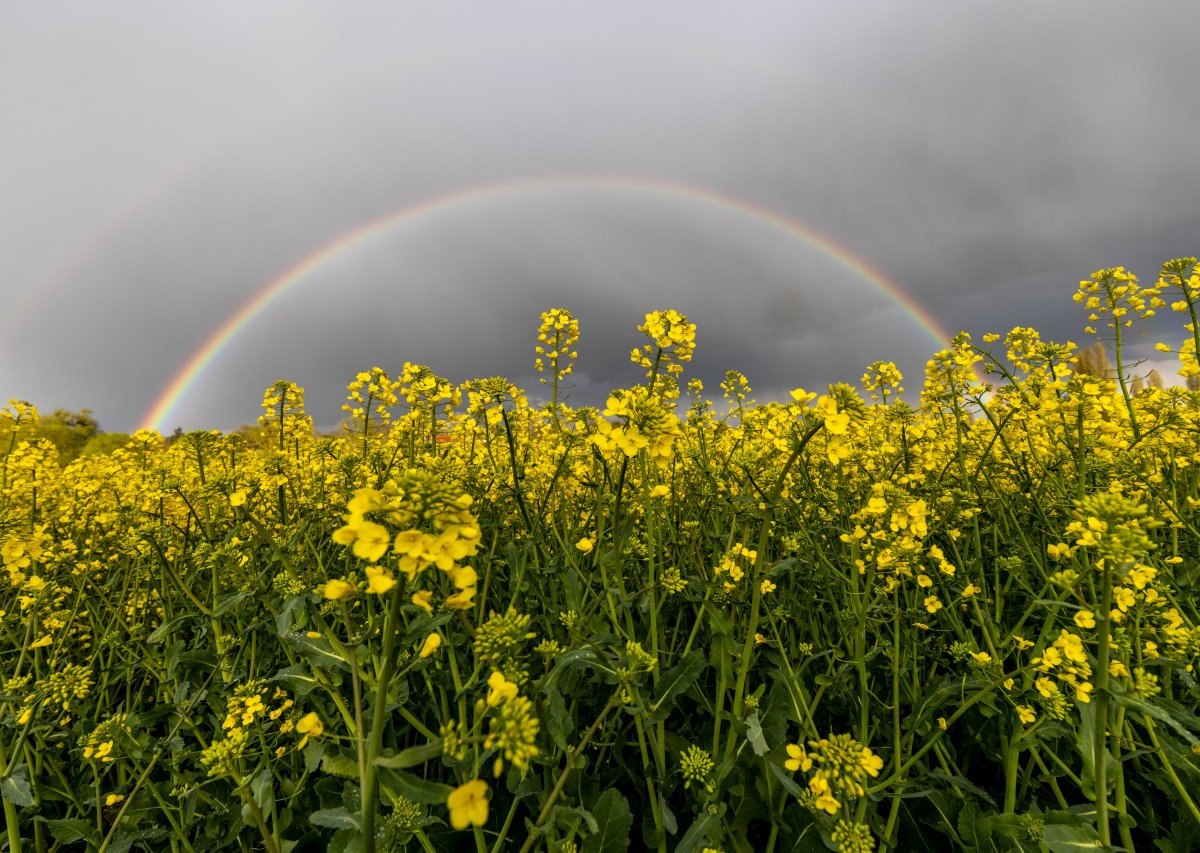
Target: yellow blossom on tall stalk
<point x="672" y="344"/>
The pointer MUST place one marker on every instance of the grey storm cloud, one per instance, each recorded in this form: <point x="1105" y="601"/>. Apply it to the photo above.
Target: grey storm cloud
<point x="160" y="165"/>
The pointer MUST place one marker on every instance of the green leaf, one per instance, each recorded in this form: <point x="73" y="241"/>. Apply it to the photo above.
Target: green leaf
<point x="284" y="619"/>
<point x="697" y="833"/>
<point x="312" y="755"/>
<point x="262" y="787"/>
<point x="318" y="652"/>
<point x="15" y="788"/>
<point x="754" y="734"/>
<point x="70" y="830"/>
<point x="340" y="763"/>
<point x="785" y="779"/>
<point x="229" y="601"/>
<point x="782" y="567"/>
<point x="334" y="819"/>
<point x="164" y="630"/>
<point x="1173" y="714"/>
<point x="678" y="679"/>
<point x="558" y="722"/>
<point x="412" y="756"/>
<point x="346" y="841"/>
<point x="670" y="824"/>
<point x="413" y="787"/>
<point x="1063" y="838"/>
<point x="614" y="821"/>
<point x="973" y="827"/>
<point x="567" y="816"/>
<point x="569" y="660"/>
<point x="297" y="679"/>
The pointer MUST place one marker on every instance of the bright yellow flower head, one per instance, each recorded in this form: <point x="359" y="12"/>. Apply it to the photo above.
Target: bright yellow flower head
<point x="379" y="581"/>
<point x="500" y="689"/>
<point x="798" y="758"/>
<point x="468" y="804"/>
<point x="339" y="590"/>
<point x="310" y="726"/>
<point x="432" y="643"/>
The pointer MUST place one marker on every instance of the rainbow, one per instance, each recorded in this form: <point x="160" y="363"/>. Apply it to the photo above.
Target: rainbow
<point x="210" y="349"/>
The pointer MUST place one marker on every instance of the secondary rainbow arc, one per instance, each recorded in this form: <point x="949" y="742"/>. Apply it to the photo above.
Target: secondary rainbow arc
<point x="210" y="349"/>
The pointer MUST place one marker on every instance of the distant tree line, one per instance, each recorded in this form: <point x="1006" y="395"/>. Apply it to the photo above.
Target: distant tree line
<point x="74" y="434"/>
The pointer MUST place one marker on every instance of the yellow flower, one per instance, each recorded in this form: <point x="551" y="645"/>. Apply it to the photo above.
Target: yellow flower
<point x="585" y="545"/>
<point x="422" y="599"/>
<point x="1026" y="714"/>
<point x="797" y="758"/>
<point x="1085" y="619"/>
<point x="463" y="577"/>
<point x="310" y="726"/>
<point x="431" y="644"/>
<point x="766" y="587"/>
<point x="660" y="491"/>
<point x="468" y="804"/>
<point x="759" y="639"/>
<point x="870" y="762"/>
<point x="338" y="590"/>
<point x="819" y="786"/>
<point x="238" y="498"/>
<point x="372" y="541"/>
<point x="461" y="600"/>
<point x="932" y="604"/>
<point x="981" y="658"/>
<point x="379" y="580"/>
<point x="500" y="689"/>
<point x="113" y="799"/>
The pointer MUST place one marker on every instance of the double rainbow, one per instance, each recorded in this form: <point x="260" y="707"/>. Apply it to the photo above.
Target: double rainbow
<point x="193" y="369"/>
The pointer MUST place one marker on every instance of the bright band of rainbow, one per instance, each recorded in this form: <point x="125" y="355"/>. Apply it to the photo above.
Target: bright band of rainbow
<point x="196" y="365"/>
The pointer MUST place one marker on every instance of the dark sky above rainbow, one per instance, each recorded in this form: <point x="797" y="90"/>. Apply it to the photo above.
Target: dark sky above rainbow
<point x="198" y="199"/>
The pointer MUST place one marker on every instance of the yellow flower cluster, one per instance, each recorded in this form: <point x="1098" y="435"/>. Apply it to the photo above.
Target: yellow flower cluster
<point x="1114" y="294"/>
<point x="647" y="423"/>
<point x="436" y="529"/>
<point x="557" y="336"/>
<point x="839" y="766"/>
<point x="252" y="703"/>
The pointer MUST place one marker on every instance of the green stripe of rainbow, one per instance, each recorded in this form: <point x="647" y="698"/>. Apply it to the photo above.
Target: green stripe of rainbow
<point x="195" y="366"/>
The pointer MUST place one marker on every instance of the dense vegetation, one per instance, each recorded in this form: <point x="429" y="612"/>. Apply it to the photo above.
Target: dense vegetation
<point x="838" y="621"/>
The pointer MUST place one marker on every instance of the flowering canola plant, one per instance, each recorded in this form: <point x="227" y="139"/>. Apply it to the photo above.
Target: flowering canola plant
<point x="471" y="621"/>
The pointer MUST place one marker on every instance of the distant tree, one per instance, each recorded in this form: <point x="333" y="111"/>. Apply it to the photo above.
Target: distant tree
<point x="255" y="436"/>
<point x="68" y="431"/>
<point x="1093" y="361"/>
<point x="104" y="443"/>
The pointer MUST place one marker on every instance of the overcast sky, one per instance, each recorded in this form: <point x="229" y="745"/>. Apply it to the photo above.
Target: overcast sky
<point x="162" y="163"/>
